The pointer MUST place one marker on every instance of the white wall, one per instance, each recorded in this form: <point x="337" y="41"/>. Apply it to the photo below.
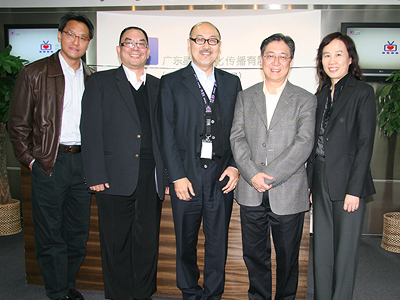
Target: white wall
<point x="242" y="33"/>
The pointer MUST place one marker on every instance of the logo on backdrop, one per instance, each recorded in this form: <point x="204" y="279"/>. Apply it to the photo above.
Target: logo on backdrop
<point x="354" y="32"/>
<point x="46" y="47"/>
<point x="153" y="45"/>
<point x="390" y="48"/>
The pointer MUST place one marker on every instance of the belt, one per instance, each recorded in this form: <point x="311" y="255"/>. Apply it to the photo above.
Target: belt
<point x="70" y="148"/>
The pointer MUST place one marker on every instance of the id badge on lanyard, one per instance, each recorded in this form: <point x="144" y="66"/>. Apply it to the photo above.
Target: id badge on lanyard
<point x="206" y="143"/>
<point x="206" y="149"/>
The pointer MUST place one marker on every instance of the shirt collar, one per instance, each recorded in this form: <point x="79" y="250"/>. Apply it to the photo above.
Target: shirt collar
<point x="341" y="82"/>
<point x="278" y="90"/>
<point x="338" y="84"/>
<point x="131" y="76"/>
<point x="66" y="68"/>
<point x="201" y="74"/>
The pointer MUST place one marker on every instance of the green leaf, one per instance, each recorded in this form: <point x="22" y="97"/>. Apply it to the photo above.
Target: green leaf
<point x="388" y="105"/>
<point x="10" y="66"/>
<point x="7" y="50"/>
<point x="386" y="90"/>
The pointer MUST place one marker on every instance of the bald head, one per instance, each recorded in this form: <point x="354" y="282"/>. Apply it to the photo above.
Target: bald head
<point x="204" y="22"/>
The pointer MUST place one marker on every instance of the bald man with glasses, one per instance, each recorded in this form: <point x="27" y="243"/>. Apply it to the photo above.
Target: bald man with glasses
<point x="195" y="112"/>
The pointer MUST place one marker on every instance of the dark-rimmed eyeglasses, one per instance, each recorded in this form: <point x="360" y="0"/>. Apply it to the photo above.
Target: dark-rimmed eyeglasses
<point x="140" y="45"/>
<point x="202" y="41"/>
<point x="281" y="57"/>
<point x="71" y="35"/>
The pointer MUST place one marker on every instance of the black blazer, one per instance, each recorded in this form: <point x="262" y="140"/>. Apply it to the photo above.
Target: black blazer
<point x="349" y="140"/>
<point x="110" y="129"/>
<point x="180" y="113"/>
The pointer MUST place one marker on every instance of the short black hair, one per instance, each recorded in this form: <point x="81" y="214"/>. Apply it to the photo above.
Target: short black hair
<point x="136" y="28"/>
<point x="278" y="37"/>
<point x="76" y="17"/>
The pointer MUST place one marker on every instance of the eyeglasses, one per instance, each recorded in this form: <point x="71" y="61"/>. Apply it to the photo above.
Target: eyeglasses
<point x="281" y="57"/>
<point x="202" y="41"/>
<point x="72" y="36"/>
<point x="140" y="45"/>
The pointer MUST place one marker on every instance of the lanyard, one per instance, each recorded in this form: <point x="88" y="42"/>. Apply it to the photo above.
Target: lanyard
<point x="207" y="103"/>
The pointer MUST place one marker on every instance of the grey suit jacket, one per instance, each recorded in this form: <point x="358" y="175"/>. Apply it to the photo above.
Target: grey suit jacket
<point x="279" y="150"/>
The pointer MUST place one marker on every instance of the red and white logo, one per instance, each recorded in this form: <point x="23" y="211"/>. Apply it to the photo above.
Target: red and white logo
<point x="45" y="46"/>
<point x="390" y="47"/>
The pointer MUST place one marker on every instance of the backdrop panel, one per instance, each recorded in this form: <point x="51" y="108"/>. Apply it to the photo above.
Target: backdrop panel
<point x="242" y="33"/>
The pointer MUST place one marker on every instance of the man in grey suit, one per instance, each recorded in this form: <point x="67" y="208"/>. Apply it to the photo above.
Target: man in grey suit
<point x="271" y="139"/>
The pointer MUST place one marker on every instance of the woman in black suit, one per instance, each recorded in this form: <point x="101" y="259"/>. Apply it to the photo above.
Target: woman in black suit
<point x="338" y="168"/>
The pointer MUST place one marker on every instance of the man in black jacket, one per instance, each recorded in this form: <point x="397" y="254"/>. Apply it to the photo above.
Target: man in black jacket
<point x="195" y="112"/>
<point x="123" y="165"/>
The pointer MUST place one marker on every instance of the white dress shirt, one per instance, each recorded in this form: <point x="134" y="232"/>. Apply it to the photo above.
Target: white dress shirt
<point x="71" y="116"/>
<point x="271" y="100"/>
<point x="132" y="78"/>
<point x="206" y="82"/>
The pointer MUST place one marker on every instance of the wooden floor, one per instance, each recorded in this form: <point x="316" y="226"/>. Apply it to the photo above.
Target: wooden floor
<point x="90" y="274"/>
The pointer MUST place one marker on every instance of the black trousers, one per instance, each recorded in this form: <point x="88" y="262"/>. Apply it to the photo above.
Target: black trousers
<point x="336" y="241"/>
<point x="257" y="223"/>
<point x="214" y="208"/>
<point x="61" y="212"/>
<point x="129" y="239"/>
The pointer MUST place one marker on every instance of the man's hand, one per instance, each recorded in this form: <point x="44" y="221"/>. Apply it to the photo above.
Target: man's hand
<point x="351" y="203"/>
<point x="233" y="175"/>
<point x="258" y="182"/>
<point x="184" y="189"/>
<point x="100" y="187"/>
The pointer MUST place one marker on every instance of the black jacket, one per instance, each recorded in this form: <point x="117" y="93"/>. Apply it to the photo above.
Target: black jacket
<point x="110" y="128"/>
<point x="348" y="139"/>
<point x="181" y="117"/>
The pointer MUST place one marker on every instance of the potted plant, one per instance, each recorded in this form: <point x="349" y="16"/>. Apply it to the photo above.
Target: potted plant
<point x="388" y="102"/>
<point x="388" y="98"/>
<point x="10" y="65"/>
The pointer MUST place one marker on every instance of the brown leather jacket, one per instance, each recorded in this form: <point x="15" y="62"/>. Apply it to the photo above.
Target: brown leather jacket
<point x="34" y="118"/>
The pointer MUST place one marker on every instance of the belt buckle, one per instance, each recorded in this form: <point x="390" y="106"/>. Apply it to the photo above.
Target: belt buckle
<point x="72" y="149"/>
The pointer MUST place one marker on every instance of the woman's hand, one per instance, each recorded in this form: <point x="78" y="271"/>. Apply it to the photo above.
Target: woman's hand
<point x="351" y="203"/>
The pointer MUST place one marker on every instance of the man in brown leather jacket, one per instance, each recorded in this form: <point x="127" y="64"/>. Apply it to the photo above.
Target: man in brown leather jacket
<point x="43" y="123"/>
